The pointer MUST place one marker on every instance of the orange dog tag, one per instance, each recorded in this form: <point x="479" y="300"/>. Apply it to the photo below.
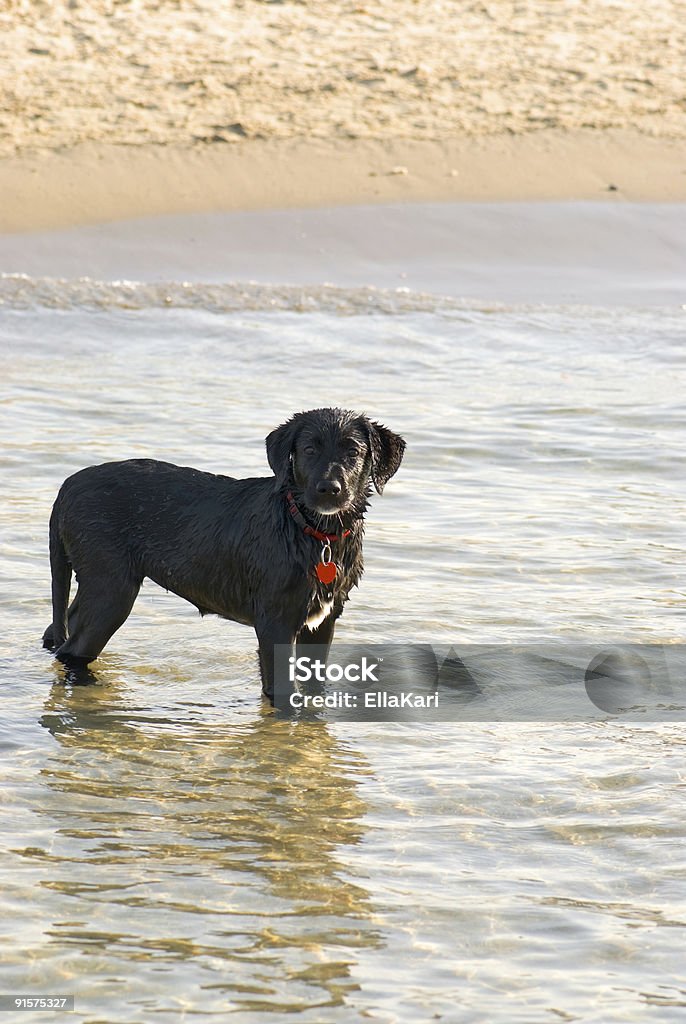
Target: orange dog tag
<point x="326" y="572"/>
<point x="326" y="567"/>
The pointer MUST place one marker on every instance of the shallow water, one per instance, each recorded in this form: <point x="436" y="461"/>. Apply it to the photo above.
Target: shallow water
<point x="171" y="850"/>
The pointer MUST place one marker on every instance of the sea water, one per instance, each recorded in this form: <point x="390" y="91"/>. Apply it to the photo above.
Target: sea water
<point x="170" y="851"/>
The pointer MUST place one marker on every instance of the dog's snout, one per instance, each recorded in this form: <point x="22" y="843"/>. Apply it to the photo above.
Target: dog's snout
<point x="331" y="487"/>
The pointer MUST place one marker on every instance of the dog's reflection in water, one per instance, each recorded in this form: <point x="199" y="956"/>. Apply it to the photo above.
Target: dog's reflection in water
<point x="246" y="816"/>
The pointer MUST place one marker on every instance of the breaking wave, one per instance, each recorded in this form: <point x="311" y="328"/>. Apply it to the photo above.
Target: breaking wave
<point x="20" y="291"/>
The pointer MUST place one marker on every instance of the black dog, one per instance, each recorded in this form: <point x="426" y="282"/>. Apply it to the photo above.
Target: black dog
<point x="278" y="554"/>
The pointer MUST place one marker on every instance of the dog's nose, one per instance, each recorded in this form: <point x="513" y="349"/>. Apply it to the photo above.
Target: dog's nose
<point x="328" y="487"/>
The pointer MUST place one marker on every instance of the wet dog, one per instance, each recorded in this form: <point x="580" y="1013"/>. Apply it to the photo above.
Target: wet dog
<point x="277" y="553"/>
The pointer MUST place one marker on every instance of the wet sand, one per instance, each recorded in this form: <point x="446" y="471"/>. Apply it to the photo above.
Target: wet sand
<point x="582" y="252"/>
<point x="98" y="182"/>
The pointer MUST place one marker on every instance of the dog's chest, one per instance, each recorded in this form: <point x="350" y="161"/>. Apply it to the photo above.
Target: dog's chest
<point x="323" y="597"/>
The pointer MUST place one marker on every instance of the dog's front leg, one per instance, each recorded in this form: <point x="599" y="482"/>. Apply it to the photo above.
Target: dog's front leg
<point x="270" y="633"/>
<point x="315" y="644"/>
<point x="322" y="635"/>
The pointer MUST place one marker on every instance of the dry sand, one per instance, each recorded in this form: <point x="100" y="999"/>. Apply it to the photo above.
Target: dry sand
<point x="114" y="108"/>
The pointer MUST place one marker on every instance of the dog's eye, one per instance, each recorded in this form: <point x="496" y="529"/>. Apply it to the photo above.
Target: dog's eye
<point x="309" y="449"/>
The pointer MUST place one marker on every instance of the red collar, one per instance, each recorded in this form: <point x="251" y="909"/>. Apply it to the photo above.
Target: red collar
<point x="310" y="530"/>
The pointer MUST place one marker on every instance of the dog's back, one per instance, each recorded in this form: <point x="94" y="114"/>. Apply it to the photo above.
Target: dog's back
<point x="178" y="526"/>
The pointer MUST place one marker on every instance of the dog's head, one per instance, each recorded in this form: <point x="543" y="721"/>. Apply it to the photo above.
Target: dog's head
<point x="331" y="457"/>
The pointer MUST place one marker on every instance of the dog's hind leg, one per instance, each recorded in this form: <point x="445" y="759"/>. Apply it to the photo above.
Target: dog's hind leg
<point x="71" y="614"/>
<point x="48" y="635"/>
<point x="56" y="633"/>
<point x="103" y="603"/>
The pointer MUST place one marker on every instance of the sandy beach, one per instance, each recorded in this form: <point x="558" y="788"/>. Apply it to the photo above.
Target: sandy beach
<point x="120" y="109"/>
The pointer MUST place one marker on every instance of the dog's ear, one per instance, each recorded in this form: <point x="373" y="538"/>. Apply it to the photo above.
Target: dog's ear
<point x="386" y="449"/>
<point x="279" y="447"/>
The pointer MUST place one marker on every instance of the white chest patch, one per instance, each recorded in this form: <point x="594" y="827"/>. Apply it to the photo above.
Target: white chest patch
<point x="316" y="618"/>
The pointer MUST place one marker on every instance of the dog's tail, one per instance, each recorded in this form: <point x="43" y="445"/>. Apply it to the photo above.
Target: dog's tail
<point x="56" y="633"/>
